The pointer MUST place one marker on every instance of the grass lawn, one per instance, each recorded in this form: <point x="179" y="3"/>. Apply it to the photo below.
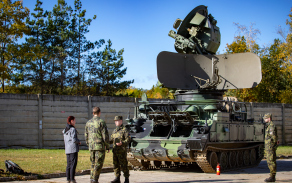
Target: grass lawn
<point x="43" y="161"/>
<point x="284" y="150"/>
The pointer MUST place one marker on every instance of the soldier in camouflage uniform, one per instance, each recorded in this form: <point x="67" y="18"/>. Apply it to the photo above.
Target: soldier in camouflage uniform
<point x="97" y="139"/>
<point x="120" y="139"/>
<point x="271" y="142"/>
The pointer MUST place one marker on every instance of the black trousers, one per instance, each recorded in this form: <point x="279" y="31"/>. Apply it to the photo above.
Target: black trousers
<point x="71" y="165"/>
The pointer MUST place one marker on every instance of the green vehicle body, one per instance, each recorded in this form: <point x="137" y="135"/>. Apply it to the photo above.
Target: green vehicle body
<point x="199" y="125"/>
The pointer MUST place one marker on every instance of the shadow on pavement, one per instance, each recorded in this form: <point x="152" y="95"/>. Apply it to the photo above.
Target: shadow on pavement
<point x="282" y="166"/>
<point x="289" y="180"/>
<point x="210" y="180"/>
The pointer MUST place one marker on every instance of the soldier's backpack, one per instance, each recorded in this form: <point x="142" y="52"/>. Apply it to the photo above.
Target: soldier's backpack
<point x="13" y="167"/>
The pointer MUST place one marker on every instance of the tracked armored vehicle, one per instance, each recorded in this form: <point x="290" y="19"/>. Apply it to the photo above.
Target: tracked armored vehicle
<point x="200" y="125"/>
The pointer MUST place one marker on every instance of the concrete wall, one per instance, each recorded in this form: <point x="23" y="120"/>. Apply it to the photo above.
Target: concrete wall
<point x="281" y="116"/>
<point x="19" y="120"/>
<point x="35" y="122"/>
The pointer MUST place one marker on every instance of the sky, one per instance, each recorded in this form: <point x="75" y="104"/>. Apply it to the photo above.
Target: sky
<point x="141" y="27"/>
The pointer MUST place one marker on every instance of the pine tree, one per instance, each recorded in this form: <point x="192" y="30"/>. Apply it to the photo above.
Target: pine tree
<point x="58" y="35"/>
<point x="36" y="71"/>
<point x="106" y="71"/>
<point x="80" y="45"/>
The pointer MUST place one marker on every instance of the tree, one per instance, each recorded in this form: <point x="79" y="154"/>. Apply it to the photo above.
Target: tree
<point x="159" y="92"/>
<point x="239" y="45"/>
<point x="107" y="71"/>
<point x="36" y="42"/>
<point x="286" y="96"/>
<point x="58" y="30"/>
<point x="274" y="75"/>
<point x="131" y="92"/>
<point x="250" y="35"/>
<point x="276" y="83"/>
<point x="93" y="70"/>
<point x="80" y="45"/>
<point x="245" y="41"/>
<point x="12" y="27"/>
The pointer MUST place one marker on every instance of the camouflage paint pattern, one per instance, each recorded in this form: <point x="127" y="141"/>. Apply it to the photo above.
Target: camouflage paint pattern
<point x="120" y="162"/>
<point x="97" y="159"/>
<point x="271" y="139"/>
<point x="178" y="148"/>
<point x="97" y="139"/>
<point x="199" y="121"/>
<point x="120" y="134"/>
<point x="96" y="134"/>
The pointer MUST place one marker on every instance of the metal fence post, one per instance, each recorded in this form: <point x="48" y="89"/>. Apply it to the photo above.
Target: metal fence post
<point x="251" y="111"/>
<point x="89" y="107"/>
<point x="40" y="120"/>
<point x="283" y="125"/>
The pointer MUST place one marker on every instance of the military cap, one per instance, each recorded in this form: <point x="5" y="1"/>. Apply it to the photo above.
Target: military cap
<point x="268" y="115"/>
<point x="118" y="118"/>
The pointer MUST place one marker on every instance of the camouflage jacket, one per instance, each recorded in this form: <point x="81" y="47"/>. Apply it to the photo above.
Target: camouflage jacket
<point x="96" y="134"/>
<point x="271" y="137"/>
<point x="120" y="134"/>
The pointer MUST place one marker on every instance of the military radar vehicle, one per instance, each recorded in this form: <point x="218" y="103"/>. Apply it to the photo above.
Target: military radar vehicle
<point x="199" y="125"/>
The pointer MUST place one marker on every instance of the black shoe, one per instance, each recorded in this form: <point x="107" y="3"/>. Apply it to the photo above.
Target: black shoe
<point x="93" y="181"/>
<point x="116" y="180"/>
<point x="270" y="179"/>
<point x="127" y="180"/>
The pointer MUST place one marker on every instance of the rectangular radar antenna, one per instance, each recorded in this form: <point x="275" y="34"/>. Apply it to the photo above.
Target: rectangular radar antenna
<point x="215" y="79"/>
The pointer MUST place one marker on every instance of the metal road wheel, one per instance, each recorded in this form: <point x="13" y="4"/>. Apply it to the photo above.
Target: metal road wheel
<point x="246" y="158"/>
<point x="157" y="164"/>
<point x="239" y="158"/>
<point x="145" y="164"/>
<point x="261" y="152"/>
<point x="232" y="159"/>
<point x="253" y="156"/>
<point x="223" y="160"/>
<point x="168" y="163"/>
<point x="213" y="160"/>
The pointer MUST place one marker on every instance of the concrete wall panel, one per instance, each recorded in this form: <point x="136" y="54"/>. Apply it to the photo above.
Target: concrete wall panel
<point x="28" y="120"/>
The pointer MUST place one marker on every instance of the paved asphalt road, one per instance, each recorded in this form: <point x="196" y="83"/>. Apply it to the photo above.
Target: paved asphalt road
<point x="193" y="174"/>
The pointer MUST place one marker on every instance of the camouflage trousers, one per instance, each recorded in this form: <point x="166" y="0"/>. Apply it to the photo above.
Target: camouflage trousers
<point x="271" y="160"/>
<point x="97" y="159"/>
<point x="120" y="162"/>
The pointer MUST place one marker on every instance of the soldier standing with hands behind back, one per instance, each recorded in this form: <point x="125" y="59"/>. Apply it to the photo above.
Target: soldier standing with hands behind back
<point x="97" y="139"/>
<point x="120" y="139"/>
<point x="271" y="142"/>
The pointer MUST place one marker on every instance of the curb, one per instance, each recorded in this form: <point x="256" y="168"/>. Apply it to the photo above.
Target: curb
<point x="83" y="172"/>
<point x="53" y="175"/>
<point x="31" y="177"/>
<point x="284" y="157"/>
<point x="281" y="157"/>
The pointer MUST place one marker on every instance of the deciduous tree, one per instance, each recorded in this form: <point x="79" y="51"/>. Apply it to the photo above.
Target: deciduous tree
<point x="12" y="27"/>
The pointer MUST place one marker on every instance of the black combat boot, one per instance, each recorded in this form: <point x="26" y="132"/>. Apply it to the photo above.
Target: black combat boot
<point x="116" y="180"/>
<point x="127" y="180"/>
<point x="270" y="179"/>
<point x="93" y="181"/>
